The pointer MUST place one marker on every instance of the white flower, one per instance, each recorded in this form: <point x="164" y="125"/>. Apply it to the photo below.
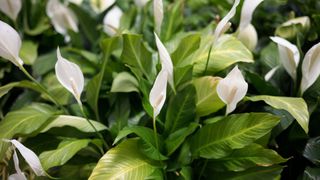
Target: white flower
<point x="141" y="3"/>
<point x="158" y="14"/>
<point x="101" y="5"/>
<point x="232" y="89"/>
<point x="30" y="157"/>
<point x="78" y="2"/>
<point x="165" y="59"/>
<point x="158" y="93"/>
<point x="269" y="74"/>
<point x="224" y="24"/>
<point x="70" y="76"/>
<point x="310" y="67"/>
<point x="11" y="8"/>
<point x="112" y="20"/>
<point x="247" y="34"/>
<point x="62" y="18"/>
<point x="19" y="175"/>
<point x="289" y="55"/>
<point x="10" y="44"/>
<point x="304" y="21"/>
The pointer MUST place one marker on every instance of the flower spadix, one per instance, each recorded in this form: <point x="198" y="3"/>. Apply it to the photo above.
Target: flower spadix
<point x="158" y="93"/>
<point x="62" y="18"/>
<point x="112" y="20"/>
<point x="310" y="67"/>
<point x="70" y="76"/>
<point x="165" y="59"/>
<point x="30" y="157"/>
<point x="232" y="89"/>
<point x="101" y="5"/>
<point x="11" y="8"/>
<point x="246" y="32"/>
<point x="158" y="14"/>
<point x="224" y="24"/>
<point x="10" y="44"/>
<point x="289" y="55"/>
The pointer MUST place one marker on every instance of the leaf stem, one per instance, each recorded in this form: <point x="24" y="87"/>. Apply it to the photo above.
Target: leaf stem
<point x="50" y="96"/>
<point x="94" y="128"/>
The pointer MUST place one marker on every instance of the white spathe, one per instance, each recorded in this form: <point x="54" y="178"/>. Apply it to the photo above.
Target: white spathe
<point x="62" y="18"/>
<point x="303" y="20"/>
<point x="232" y="89"/>
<point x="112" y="20"/>
<point x="165" y="60"/>
<point x="158" y="14"/>
<point x="30" y="157"/>
<point x="70" y="76"/>
<point x="158" y="93"/>
<point x="246" y="32"/>
<point x="101" y="5"/>
<point x="224" y="24"/>
<point x="141" y="3"/>
<point x="310" y="67"/>
<point x="19" y="175"/>
<point x="78" y="2"/>
<point x="289" y="55"/>
<point x="11" y="8"/>
<point x="10" y="44"/>
<point x="269" y="74"/>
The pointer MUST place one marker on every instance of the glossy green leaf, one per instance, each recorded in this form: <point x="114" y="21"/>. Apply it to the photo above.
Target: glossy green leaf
<point x="29" y="52"/>
<point x="24" y="122"/>
<point x="217" y="140"/>
<point x="208" y="100"/>
<point x="148" y="145"/>
<point x="124" y="82"/>
<point x="137" y="57"/>
<point x="74" y="121"/>
<point x="173" y="20"/>
<point x="64" y="152"/>
<point x="297" y="107"/>
<point x="181" y="110"/>
<point x="22" y="84"/>
<point x="312" y="150"/>
<point x="247" y="157"/>
<point x="225" y="53"/>
<point x="125" y="161"/>
<point x="311" y="173"/>
<point x="175" y="139"/>
<point x="187" y="46"/>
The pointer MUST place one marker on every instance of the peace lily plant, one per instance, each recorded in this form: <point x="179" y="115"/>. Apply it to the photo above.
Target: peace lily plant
<point x="144" y="89"/>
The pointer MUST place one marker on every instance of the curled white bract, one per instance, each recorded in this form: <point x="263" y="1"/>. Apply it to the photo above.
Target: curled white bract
<point x="11" y="8"/>
<point x="101" y="5"/>
<point x="111" y="21"/>
<point x="158" y="14"/>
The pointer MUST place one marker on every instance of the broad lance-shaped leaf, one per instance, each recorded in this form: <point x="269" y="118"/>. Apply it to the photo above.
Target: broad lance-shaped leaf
<point x="310" y="67"/>
<point x="158" y="14"/>
<point x="217" y="140"/>
<point x="165" y="59"/>
<point x="125" y="161"/>
<point x="64" y="152"/>
<point x="70" y="76"/>
<point x="30" y="157"/>
<point x="10" y="44"/>
<point x="124" y="82"/>
<point x="158" y="93"/>
<point x="111" y="21"/>
<point x="224" y="24"/>
<point x="232" y="89"/>
<point x="11" y="8"/>
<point x="289" y="55"/>
<point x="297" y="107"/>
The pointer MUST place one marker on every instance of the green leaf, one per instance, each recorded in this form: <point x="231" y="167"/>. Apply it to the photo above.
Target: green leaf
<point x="23" y="122"/>
<point x="29" y="52"/>
<point x="225" y="53"/>
<point x="182" y="75"/>
<point x="125" y="161"/>
<point x="187" y="46"/>
<point x="247" y="157"/>
<point x="181" y="110"/>
<point x="65" y="151"/>
<point x="74" y="121"/>
<point x="261" y="173"/>
<point x="22" y="84"/>
<point x="137" y="57"/>
<point x="94" y="85"/>
<point x="208" y="100"/>
<point x="148" y="145"/>
<point x="124" y="82"/>
<point x="173" y="20"/>
<point x="217" y="140"/>
<point x="175" y="139"/>
<point x="311" y="173"/>
<point x="312" y="150"/>
<point x="297" y="107"/>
